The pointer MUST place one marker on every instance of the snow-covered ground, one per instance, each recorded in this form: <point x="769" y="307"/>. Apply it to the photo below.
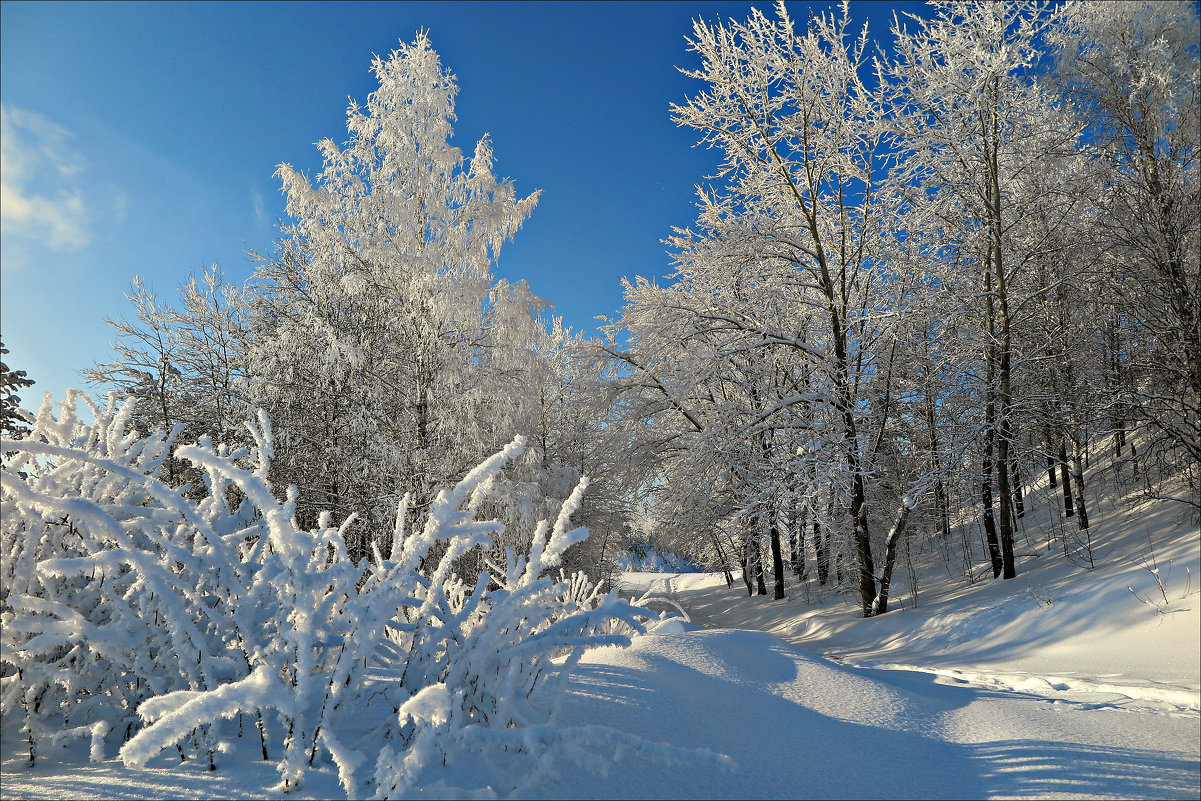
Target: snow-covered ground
<point x="1059" y="683"/>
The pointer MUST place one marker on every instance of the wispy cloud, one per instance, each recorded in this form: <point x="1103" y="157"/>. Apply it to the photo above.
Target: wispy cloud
<point x="40" y="198"/>
<point x="260" y="208"/>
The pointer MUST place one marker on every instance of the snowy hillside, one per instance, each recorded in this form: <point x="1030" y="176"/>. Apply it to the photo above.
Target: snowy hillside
<point x="1062" y="682"/>
<point x="1057" y="629"/>
<point x="1069" y="687"/>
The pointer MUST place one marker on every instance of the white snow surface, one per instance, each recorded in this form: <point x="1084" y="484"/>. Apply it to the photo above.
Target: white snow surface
<point x="1059" y="683"/>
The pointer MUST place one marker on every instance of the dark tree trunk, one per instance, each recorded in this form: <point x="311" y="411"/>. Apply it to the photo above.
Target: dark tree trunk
<point x="1019" y="504"/>
<point x="1004" y="354"/>
<point x="757" y="551"/>
<point x="1068" y="509"/>
<point x="1081" y="511"/>
<point x="796" y="540"/>
<point x="1005" y="501"/>
<point x="990" y="440"/>
<point x="1114" y="347"/>
<point x="821" y="547"/>
<point x="777" y="558"/>
<point x="944" y="509"/>
<point x="880" y="604"/>
<point x="1050" y="458"/>
<point x="940" y="491"/>
<point x="990" y="525"/>
<point x="721" y="555"/>
<point x="744" y="560"/>
<point x="863" y="550"/>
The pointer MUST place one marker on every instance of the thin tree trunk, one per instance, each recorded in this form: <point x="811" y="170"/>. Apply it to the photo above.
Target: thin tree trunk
<point x="990" y="526"/>
<point x="940" y="491"/>
<point x="1069" y="509"/>
<point x="1004" y="380"/>
<point x="821" y="548"/>
<point x="1081" y="511"/>
<point x="990" y="425"/>
<point x="777" y="560"/>
<point x="757" y="550"/>
<point x="725" y="563"/>
<point x="796" y="531"/>
<point x="744" y="559"/>
<point x="1019" y="504"/>
<point x="1050" y="451"/>
<point x="880" y="603"/>
<point x="1115" y="373"/>
<point x="944" y="509"/>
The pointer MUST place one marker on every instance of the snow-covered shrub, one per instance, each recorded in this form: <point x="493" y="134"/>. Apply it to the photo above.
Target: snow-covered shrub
<point x="482" y="662"/>
<point x="126" y="604"/>
<point x="115" y="589"/>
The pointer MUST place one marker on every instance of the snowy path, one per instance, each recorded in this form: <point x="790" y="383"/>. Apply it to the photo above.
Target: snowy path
<point x="799" y="725"/>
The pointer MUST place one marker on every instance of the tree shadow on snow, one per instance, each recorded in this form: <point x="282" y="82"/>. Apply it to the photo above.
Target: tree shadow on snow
<point x="802" y="727"/>
<point x="1034" y="768"/>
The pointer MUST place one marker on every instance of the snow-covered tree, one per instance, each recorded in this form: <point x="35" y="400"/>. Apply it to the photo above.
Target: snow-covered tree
<point x="1131" y="71"/>
<point x="12" y="421"/>
<point x="983" y="140"/>
<point x="784" y="286"/>
<point x="184" y="363"/>
<point x="381" y="295"/>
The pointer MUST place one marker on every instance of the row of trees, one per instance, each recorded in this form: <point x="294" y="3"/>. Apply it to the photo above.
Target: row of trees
<point x="917" y="277"/>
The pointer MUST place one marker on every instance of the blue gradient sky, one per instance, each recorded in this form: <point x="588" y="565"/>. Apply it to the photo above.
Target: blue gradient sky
<point x="141" y="138"/>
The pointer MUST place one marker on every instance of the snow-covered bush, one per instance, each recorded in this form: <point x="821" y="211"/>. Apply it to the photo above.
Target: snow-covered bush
<point x="128" y="605"/>
<point x="116" y="588"/>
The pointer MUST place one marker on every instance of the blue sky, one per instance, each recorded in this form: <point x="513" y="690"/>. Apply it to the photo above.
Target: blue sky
<point x="141" y="138"/>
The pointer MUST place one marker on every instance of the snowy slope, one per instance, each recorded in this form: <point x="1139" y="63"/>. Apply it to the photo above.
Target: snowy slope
<point x="1057" y="629"/>
<point x="1062" y="682"/>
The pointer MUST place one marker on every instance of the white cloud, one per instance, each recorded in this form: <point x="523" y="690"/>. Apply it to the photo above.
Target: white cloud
<point x="40" y="199"/>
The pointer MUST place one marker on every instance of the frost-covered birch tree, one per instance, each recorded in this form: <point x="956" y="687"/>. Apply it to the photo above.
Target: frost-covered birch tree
<point x="804" y="173"/>
<point x="783" y="298"/>
<point x="377" y="316"/>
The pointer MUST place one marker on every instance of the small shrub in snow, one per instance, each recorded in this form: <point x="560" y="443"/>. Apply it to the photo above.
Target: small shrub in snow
<point x="1162" y="577"/>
